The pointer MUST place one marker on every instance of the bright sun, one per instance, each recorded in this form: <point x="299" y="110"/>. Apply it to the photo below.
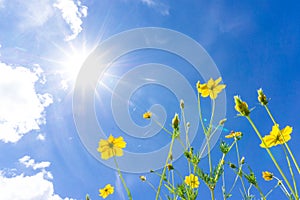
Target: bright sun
<point x="71" y="63"/>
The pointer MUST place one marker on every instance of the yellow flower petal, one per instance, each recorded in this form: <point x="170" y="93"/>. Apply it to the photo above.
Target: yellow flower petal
<point x="106" y="191"/>
<point x="111" y="147"/>
<point x="277" y="136"/>
<point x="217" y="81"/>
<point x="192" y="181"/>
<point x="211" y="88"/>
<point x="267" y="175"/>
<point x="147" y="115"/>
<point x="119" y="142"/>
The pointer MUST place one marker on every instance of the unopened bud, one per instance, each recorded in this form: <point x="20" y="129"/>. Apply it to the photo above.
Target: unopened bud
<point x="181" y="104"/>
<point x="241" y="106"/>
<point x="262" y="97"/>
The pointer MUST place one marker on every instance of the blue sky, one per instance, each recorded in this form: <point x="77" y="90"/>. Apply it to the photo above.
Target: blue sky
<point x="43" y="44"/>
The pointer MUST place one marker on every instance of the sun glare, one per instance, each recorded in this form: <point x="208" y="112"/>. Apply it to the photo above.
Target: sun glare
<point x="71" y="62"/>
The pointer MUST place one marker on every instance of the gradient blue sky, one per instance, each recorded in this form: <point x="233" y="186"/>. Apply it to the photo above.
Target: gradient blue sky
<point x="254" y="44"/>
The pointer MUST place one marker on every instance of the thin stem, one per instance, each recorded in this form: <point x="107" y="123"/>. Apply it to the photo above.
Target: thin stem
<point x="187" y="142"/>
<point x="292" y="156"/>
<point x="212" y="193"/>
<point x="212" y="114"/>
<point x="167" y="131"/>
<point x="286" y="145"/>
<point x="122" y="179"/>
<point x="271" y="156"/>
<point x="200" y="114"/>
<point x="209" y="156"/>
<point x="240" y="165"/>
<point x="223" y="186"/>
<point x="186" y="129"/>
<point x="291" y="170"/>
<point x="173" y="182"/>
<point x="164" y="170"/>
<point x="208" y="135"/>
<point x="284" y="190"/>
<point x="152" y="186"/>
<point x="272" y="190"/>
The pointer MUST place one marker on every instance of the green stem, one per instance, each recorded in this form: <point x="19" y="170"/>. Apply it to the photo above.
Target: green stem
<point x="286" y="145"/>
<point x="200" y="114"/>
<point x="291" y="170"/>
<point x="292" y="156"/>
<point x="240" y="166"/>
<point x="187" y="142"/>
<point x="164" y="170"/>
<point x="271" y="156"/>
<point x="208" y="134"/>
<point x="153" y="188"/>
<point x="209" y="156"/>
<point x="212" y="193"/>
<point x="122" y="179"/>
<point x="272" y="190"/>
<point x="260" y="192"/>
<point x="284" y="190"/>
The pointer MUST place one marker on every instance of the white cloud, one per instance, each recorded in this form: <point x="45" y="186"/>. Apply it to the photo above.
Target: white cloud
<point x="157" y="5"/>
<point x="72" y="13"/>
<point x="22" y="187"/>
<point x="41" y="137"/>
<point x="29" y="162"/>
<point x="34" y="187"/>
<point x="21" y="107"/>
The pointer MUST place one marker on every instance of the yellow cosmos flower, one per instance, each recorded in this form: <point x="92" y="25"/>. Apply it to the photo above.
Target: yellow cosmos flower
<point x="233" y="134"/>
<point x="277" y="136"/>
<point x="192" y="181"/>
<point x="111" y="147"/>
<point x="147" y="115"/>
<point x="267" y="175"/>
<point x="106" y="191"/>
<point x="211" y="88"/>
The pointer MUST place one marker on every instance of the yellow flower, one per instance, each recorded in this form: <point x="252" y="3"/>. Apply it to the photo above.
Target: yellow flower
<point x="211" y="88"/>
<point x="111" y="147"/>
<point x="147" y="115"/>
<point x="267" y="175"/>
<point x="277" y="136"/>
<point x="192" y="181"/>
<point x="107" y="190"/>
<point x="233" y="134"/>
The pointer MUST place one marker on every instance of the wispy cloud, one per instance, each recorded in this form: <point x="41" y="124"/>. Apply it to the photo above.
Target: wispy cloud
<point x="22" y="109"/>
<point x="33" y="187"/>
<point x="157" y="5"/>
<point x="72" y="13"/>
<point x="34" y="13"/>
<point x="29" y="162"/>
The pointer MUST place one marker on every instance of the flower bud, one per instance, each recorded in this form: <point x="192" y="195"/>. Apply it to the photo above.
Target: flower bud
<point x="143" y="178"/>
<point x="181" y="104"/>
<point x="242" y="160"/>
<point x="231" y="165"/>
<point x="241" y="106"/>
<point x="175" y="122"/>
<point x="222" y="121"/>
<point x="262" y="97"/>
